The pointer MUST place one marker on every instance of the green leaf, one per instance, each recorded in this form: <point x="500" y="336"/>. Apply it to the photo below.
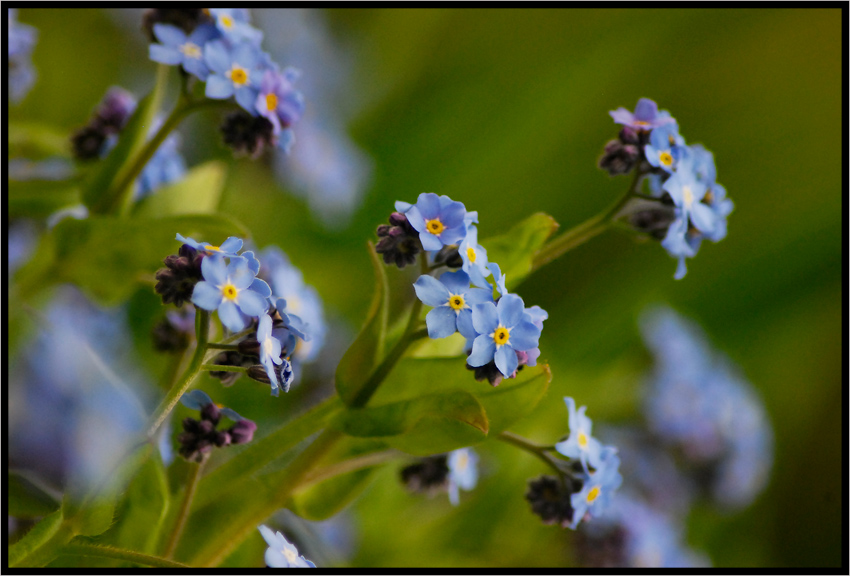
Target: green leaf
<point x="40" y="198"/>
<point x="424" y="425"/>
<point x="514" y="251"/>
<point x="28" y="498"/>
<point x="32" y="549"/>
<point x="361" y="358"/>
<point x="75" y="251"/>
<point x="36" y="141"/>
<point x="327" y="498"/>
<point x="99" y="192"/>
<point x="143" y="509"/>
<point x="198" y="192"/>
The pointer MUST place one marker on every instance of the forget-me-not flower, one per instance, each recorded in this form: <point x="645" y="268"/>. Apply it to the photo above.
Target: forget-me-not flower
<point x="439" y="220"/>
<point x="177" y="48"/>
<point x="226" y="289"/>
<point x="235" y="72"/>
<point x="270" y="348"/>
<point x="597" y="487"/>
<point x="499" y="279"/>
<point x="453" y="299"/>
<point x="502" y="330"/>
<point x="280" y="553"/>
<point x="687" y="192"/>
<point x="580" y="443"/>
<point x="474" y="257"/>
<point x="463" y="472"/>
<point x="645" y="117"/>
<point x="233" y="25"/>
<point x="279" y="102"/>
<point x="666" y="147"/>
<point x="229" y="247"/>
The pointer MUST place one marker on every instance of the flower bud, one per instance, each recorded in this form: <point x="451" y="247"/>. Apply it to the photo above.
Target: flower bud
<point x="242" y="432"/>
<point x="550" y="499"/>
<point x="246" y="134"/>
<point x="428" y="476"/>
<point x="399" y="242"/>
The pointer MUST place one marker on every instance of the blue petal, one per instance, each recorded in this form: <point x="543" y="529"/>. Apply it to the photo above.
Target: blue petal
<point x="247" y="97"/>
<point x="452" y="216"/>
<point x="217" y="58"/>
<point x="453" y="235"/>
<point x="478" y="296"/>
<point x="485" y="319"/>
<point x="196" y="399"/>
<point x="482" y="351"/>
<point x="251" y="303"/>
<point x="681" y="269"/>
<point x="402" y="207"/>
<point x="441" y="322"/>
<point x="164" y="54"/>
<point x="457" y="282"/>
<point x="261" y="287"/>
<point x="239" y="273"/>
<point x="464" y="324"/>
<point x="206" y="296"/>
<point x="429" y="241"/>
<point x="510" y="309"/>
<point x="429" y="205"/>
<point x="264" y="328"/>
<point x="524" y="336"/>
<point x="218" y="87"/>
<point x="229" y="315"/>
<point x="431" y="291"/>
<point x="415" y="218"/>
<point x="169" y="35"/>
<point x="703" y="217"/>
<point x="506" y="360"/>
<point x="232" y="245"/>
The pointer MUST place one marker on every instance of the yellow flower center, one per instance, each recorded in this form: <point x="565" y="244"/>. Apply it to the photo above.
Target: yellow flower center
<point x="462" y="461"/>
<point x="687" y="196"/>
<point x="238" y="75"/>
<point x="640" y="123"/>
<point x="434" y="226"/>
<point x="291" y="556"/>
<point x="226" y="21"/>
<point x="211" y="248"/>
<point x="501" y="336"/>
<point x="593" y="494"/>
<point x="582" y="440"/>
<point x="191" y="50"/>
<point x="271" y="101"/>
<point x="457" y="302"/>
<point x="229" y="291"/>
<point x="665" y="158"/>
<point x="470" y="254"/>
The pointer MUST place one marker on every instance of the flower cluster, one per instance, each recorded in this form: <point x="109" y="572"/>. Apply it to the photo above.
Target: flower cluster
<point x="219" y="46"/>
<point x="100" y="135"/>
<point x="443" y="473"/>
<point x="220" y="279"/>
<point x="687" y="203"/>
<point x="501" y="333"/>
<point x="20" y="40"/>
<point x="199" y="436"/>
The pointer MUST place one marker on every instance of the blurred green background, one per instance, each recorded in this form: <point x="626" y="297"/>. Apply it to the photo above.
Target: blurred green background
<point x="507" y="111"/>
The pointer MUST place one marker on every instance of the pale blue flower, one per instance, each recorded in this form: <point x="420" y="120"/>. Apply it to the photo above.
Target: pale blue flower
<point x="453" y="299"/>
<point x="439" y="220"/>
<point x="580" y="444"/>
<point x="463" y="472"/>
<point x="474" y="256"/>
<point x="646" y="116"/>
<point x="280" y="553"/>
<point x="270" y="348"/>
<point x="597" y="488"/>
<point x="176" y="48"/>
<point x="233" y="24"/>
<point x="226" y="289"/>
<point x="502" y="330"/>
<point x="229" y="247"/>
<point x="235" y="71"/>
<point x="666" y="147"/>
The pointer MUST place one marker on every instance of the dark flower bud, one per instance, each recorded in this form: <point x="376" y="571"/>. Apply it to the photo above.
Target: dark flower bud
<point x="211" y="413"/>
<point x="619" y="158"/>
<point x="249" y="347"/>
<point x="242" y="432"/>
<point x="429" y="475"/>
<point x="187" y="19"/>
<point x="87" y="142"/>
<point x="283" y="373"/>
<point x="176" y="282"/>
<point x="629" y="135"/>
<point x="167" y="338"/>
<point x="114" y="110"/>
<point x="550" y="499"/>
<point x="222" y="439"/>
<point x="449" y="256"/>
<point x="651" y="217"/>
<point x="246" y="134"/>
<point x="399" y="242"/>
<point x="492" y="374"/>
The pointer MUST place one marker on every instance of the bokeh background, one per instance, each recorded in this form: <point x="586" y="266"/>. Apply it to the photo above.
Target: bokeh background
<point x="507" y="111"/>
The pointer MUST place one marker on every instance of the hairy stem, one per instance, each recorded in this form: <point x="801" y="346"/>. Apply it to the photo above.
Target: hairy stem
<point x="532" y="448"/>
<point x="346" y="466"/>
<point x="185" y="506"/>
<point x="221" y="346"/>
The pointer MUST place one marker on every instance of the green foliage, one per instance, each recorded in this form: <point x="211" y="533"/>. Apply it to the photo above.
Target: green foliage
<point x="27" y="498"/>
<point x="514" y="251"/>
<point x="360" y="360"/>
<point x="25" y="552"/>
<point x="41" y="198"/>
<point x="37" y="141"/>
<point x="100" y="191"/>
<point x="196" y="193"/>
<point x="74" y="251"/>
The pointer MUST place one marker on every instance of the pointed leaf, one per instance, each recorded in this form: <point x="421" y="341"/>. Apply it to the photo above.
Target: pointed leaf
<point x="198" y="192"/>
<point x="28" y="498"/>
<point x="367" y="350"/>
<point x="31" y="549"/>
<point x="514" y="251"/>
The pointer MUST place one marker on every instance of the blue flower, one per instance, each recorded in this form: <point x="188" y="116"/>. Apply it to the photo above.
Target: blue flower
<point x="270" y="348"/>
<point x="280" y="103"/>
<point x="666" y="147"/>
<point x="229" y="247"/>
<point x="645" y="117"/>
<point x="302" y="300"/>
<point x="580" y="443"/>
<point x="178" y="48"/>
<point x="20" y="40"/>
<point x="681" y="242"/>
<point x="687" y="192"/>
<point x="226" y="289"/>
<point x="280" y="553"/>
<point x="597" y="487"/>
<point x="439" y="220"/>
<point x="233" y="25"/>
<point x="453" y="298"/>
<point x="474" y="257"/>
<point x="234" y="71"/>
<point x="502" y="330"/>
<point x="498" y="278"/>
<point x="463" y="472"/>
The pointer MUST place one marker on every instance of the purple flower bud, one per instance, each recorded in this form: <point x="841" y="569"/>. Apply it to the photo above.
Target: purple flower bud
<point x="211" y="413"/>
<point x="243" y="431"/>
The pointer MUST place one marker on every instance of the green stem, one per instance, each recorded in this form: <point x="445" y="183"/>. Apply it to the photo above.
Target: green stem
<point x="586" y="230"/>
<point x="92" y="551"/>
<point x="223" y="368"/>
<point x="185" y="506"/>
<point x="532" y="448"/>
<point x="202" y="331"/>
<point x="220" y="346"/>
<point x="346" y="466"/>
<point x="390" y="360"/>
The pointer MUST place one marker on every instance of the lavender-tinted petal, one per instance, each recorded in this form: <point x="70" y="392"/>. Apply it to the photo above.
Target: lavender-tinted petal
<point x="206" y="296"/>
<point x="229" y="315"/>
<point x="532" y="355"/>
<point x="196" y="399"/>
<point x="429" y="205"/>
<point x="506" y="360"/>
<point x="483" y="349"/>
<point x="441" y="322"/>
<point x="431" y="291"/>
<point x="646" y="110"/>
